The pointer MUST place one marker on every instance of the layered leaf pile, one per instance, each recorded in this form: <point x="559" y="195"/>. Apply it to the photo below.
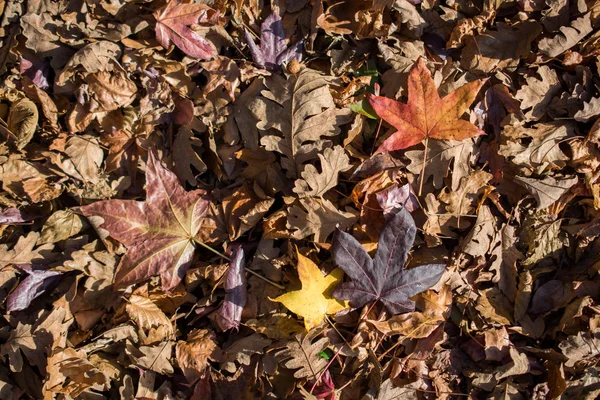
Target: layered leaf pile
<point x="300" y="199"/>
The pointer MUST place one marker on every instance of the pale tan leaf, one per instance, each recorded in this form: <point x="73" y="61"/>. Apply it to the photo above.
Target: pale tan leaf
<point x="84" y="158"/>
<point x="154" y="358"/>
<point x="62" y="225"/>
<point x="301" y="354"/>
<point x="568" y="37"/>
<point x="22" y="121"/>
<point x="315" y="183"/>
<point x="303" y="111"/>
<point x="537" y="94"/>
<point x="320" y="218"/>
<point x="148" y="316"/>
<point x="185" y="156"/>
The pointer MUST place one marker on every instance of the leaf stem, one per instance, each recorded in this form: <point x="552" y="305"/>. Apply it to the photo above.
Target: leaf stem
<point x="337" y="353"/>
<point x="217" y="252"/>
<point x="423" y="167"/>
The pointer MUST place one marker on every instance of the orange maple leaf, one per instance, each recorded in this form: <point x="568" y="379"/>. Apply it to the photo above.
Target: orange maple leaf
<point x="426" y="115"/>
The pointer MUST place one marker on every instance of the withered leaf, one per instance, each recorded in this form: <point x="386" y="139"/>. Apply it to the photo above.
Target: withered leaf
<point x="160" y="233"/>
<point x="302" y="109"/>
<point x="193" y="354"/>
<point x="384" y="277"/>
<point x="316" y="184"/>
<point x="320" y="218"/>
<point x="302" y="354"/>
<point x="230" y="313"/>
<point x="33" y="286"/>
<point x="426" y="115"/>
<point x="22" y="121"/>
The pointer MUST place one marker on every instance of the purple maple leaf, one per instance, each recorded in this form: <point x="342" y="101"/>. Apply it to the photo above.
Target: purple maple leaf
<point x="383" y="278"/>
<point x="273" y="51"/>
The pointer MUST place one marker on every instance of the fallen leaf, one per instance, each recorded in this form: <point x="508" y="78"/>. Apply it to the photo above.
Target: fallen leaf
<point x="321" y="218"/>
<point x="302" y="355"/>
<point x="426" y="115"/>
<point x="314" y="301"/>
<point x="316" y="184"/>
<point x="230" y="313"/>
<point x="383" y="278"/>
<point x="568" y="37"/>
<point x="302" y="109"/>
<point x="23" y="120"/>
<point x="193" y="354"/>
<point x="272" y="52"/>
<point x="160" y="233"/>
<point x="154" y="358"/>
<point x="174" y="24"/>
<point x="548" y="190"/>
<point x="149" y="317"/>
<point x="30" y="288"/>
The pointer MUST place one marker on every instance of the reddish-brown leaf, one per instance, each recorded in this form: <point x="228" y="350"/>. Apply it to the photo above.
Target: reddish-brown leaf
<point x="426" y="114"/>
<point x="174" y="25"/>
<point x="160" y="233"/>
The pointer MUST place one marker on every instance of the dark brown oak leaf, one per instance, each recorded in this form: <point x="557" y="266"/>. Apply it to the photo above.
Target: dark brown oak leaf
<point x="384" y="277"/>
<point x="161" y="233"/>
<point x="426" y="115"/>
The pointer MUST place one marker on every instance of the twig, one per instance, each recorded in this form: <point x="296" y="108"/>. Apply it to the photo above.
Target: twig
<point x="423" y="167"/>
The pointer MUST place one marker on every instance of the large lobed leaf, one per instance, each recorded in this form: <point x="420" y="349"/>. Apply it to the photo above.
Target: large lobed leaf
<point x="384" y="277"/>
<point x="426" y="115"/>
<point x="160" y="233"/>
<point x="302" y="109"/>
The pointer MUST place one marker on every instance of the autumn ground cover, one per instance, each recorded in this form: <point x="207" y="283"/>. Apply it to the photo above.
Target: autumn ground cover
<point x="379" y="199"/>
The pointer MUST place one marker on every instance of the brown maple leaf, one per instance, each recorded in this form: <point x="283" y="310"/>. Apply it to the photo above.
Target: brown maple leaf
<point x="175" y="22"/>
<point x="426" y="115"/>
<point x="160" y="233"/>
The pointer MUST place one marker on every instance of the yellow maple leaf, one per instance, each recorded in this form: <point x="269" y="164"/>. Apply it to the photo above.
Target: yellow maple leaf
<point x="313" y="302"/>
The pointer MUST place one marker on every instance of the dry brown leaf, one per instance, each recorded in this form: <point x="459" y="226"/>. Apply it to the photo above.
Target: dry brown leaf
<point x="316" y="184"/>
<point x="149" y="318"/>
<point x="193" y="353"/>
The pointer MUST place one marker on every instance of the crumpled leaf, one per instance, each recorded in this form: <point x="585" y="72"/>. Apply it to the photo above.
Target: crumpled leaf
<point x="230" y="313"/>
<point x="313" y="301"/>
<point x="148" y="316"/>
<point x="185" y="156"/>
<point x="160" y="233"/>
<point x="501" y="48"/>
<point x="394" y="198"/>
<point x="174" y="24"/>
<point x="383" y="278"/>
<point x="303" y="111"/>
<point x="22" y="121"/>
<point x="84" y="158"/>
<point x="272" y="52"/>
<point x="302" y="354"/>
<point x="316" y="184"/>
<point x="30" y="288"/>
<point x="193" y="354"/>
<point x="321" y="218"/>
<point x="154" y="358"/>
<point x="426" y="115"/>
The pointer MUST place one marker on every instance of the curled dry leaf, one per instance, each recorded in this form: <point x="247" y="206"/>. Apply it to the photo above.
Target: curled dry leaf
<point x="230" y="313"/>
<point x="22" y="121"/>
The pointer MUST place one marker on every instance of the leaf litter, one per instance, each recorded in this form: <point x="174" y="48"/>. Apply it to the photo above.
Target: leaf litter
<point x="311" y="199"/>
